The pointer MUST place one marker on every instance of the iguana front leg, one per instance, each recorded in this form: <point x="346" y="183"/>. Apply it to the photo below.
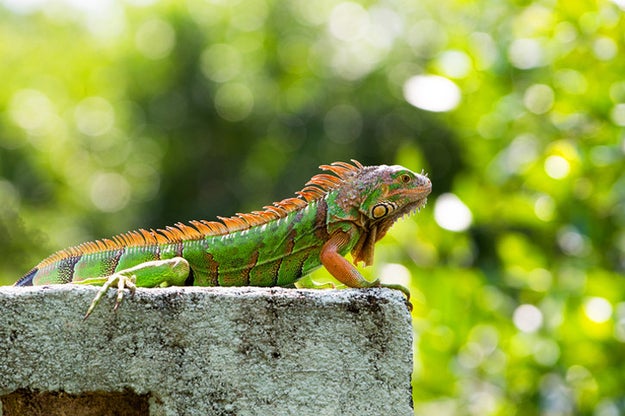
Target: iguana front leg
<point x="344" y="271"/>
<point x="157" y="273"/>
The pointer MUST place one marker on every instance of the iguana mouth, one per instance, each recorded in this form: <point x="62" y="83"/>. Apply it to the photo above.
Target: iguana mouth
<point x="384" y="224"/>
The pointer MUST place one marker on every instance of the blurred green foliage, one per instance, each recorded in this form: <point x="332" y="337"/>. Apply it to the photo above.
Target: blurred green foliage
<point x="118" y="115"/>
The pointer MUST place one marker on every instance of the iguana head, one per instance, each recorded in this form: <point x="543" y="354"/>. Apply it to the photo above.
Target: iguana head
<point x="372" y="198"/>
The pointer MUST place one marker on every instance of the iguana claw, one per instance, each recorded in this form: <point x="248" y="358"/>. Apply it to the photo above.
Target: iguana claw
<point x="123" y="282"/>
<point x="401" y="288"/>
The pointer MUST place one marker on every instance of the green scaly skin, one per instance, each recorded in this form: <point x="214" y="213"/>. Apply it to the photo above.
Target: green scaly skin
<point x="348" y="210"/>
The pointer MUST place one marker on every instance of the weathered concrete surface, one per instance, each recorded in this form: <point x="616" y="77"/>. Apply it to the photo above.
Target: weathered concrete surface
<point x="214" y="351"/>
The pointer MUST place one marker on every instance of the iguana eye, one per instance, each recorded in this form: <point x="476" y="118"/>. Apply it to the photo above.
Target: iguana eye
<point x="405" y="178"/>
<point x="381" y="210"/>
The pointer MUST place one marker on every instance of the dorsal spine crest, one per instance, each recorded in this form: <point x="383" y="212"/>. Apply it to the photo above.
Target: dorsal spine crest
<point x="316" y="188"/>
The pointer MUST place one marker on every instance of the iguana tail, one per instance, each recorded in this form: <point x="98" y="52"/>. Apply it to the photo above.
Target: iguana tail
<point x="27" y="279"/>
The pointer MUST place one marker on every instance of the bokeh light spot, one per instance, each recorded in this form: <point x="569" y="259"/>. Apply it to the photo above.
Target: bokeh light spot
<point x="527" y="318"/>
<point x="451" y="213"/>
<point x="571" y="242"/>
<point x="432" y="93"/>
<point x="484" y="50"/>
<point x="31" y="110"/>
<point x="557" y="167"/>
<point x="94" y="116"/>
<point x="605" y="48"/>
<point x="546" y="352"/>
<point x="539" y="280"/>
<point x="455" y="64"/>
<point x="234" y="101"/>
<point x="385" y="26"/>
<point x="220" y="62"/>
<point x="251" y="16"/>
<point x="526" y="53"/>
<point x="395" y="273"/>
<point x="110" y="192"/>
<point x="24" y="6"/>
<point x="617" y="114"/>
<point x="544" y="208"/>
<point x="538" y="98"/>
<point x="348" y="21"/>
<point x="155" y="39"/>
<point x="573" y="82"/>
<point x="9" y="195"/>
<point x="519" y="154"/>
<point x="598" y="309"/>
<point x="619" y="3"/>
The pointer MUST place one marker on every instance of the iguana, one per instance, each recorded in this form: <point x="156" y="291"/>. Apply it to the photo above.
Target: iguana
<point x="345" y="211"/>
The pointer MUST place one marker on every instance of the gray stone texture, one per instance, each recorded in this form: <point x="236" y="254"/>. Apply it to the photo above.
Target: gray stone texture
<point x="211" y="351"/>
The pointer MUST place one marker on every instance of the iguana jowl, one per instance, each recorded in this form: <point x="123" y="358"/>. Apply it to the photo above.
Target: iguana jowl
<point x="347" y="210"/>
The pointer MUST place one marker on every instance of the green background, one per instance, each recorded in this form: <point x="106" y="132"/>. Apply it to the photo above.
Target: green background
<point x="119" y="115"/>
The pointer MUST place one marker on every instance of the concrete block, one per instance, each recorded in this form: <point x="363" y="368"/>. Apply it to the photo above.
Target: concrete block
<point x="206" y="351"/>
